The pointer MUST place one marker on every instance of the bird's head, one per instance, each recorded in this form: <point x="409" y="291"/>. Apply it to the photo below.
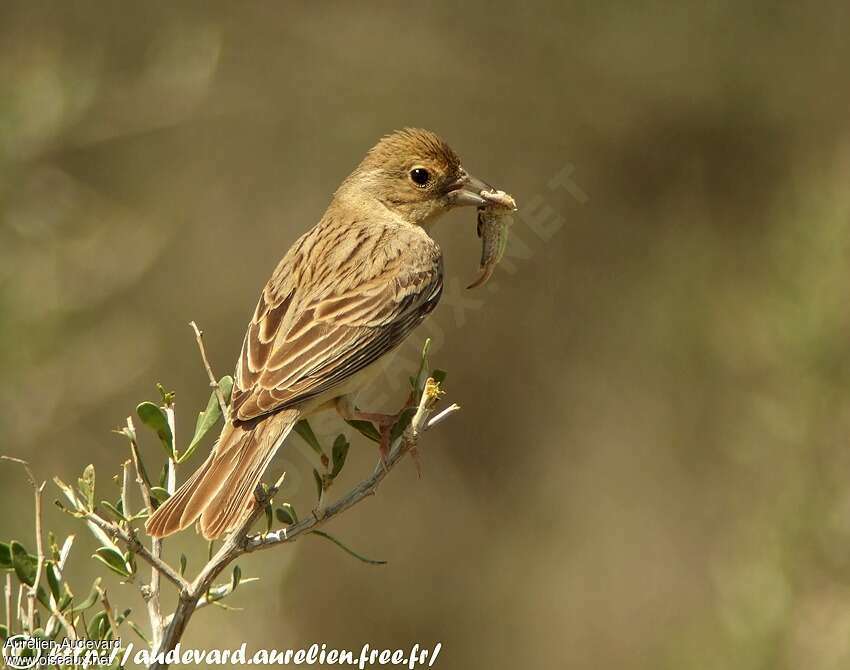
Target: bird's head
<point x="416" y="174"/>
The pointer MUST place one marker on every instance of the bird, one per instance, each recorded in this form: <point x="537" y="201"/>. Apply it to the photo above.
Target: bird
<point x="348" y="292"/>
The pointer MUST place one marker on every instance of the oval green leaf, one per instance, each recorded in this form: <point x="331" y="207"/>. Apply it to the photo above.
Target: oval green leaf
<point x="305" y="432"/>
<point x="155" y="418"/>
<point x="24" y="563"/>
<point x="339" y="452"/>
<point x="112" y="559"/>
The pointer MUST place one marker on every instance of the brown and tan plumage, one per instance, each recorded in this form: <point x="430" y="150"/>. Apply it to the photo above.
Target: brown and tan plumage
<point x="345" y="294"/>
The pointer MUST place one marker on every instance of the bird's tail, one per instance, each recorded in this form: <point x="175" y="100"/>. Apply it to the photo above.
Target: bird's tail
<point x="221" y="491"/>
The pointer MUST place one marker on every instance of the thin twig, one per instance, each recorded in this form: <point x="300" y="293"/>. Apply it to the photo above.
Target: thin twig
<point x="39" y="543"/>
<point x="199" y="337"/>
<point x="153" y="601"/>
<point x="170" y="467"/>
<point x="125" y="489"/>
<point x="7" y="592"/>
<point x="110" y="615"/>
<point x="21" y="614"/>
<point x="141" y="475"/>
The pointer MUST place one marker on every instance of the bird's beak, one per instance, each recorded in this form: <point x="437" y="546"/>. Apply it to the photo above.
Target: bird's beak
<point x="467" y="191"/>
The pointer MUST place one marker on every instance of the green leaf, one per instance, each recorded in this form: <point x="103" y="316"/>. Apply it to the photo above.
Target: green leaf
<point x="42" y="597"/>
<point x="439" y="376"/>
<point x="53" y="580"/>
<point x="98" y="626"/>
<point x="52" y="628"/>
<point x="112" y="559"/>
<point x="66" y="598"/>
<point x="4" y="633"/>
<point x="67" y="491"/>
<point x="209" y="417"/>
<point x="319" y="486"/>
<point x="25" y="564"/>
<point x="423" y="365"/>
<point x="86" y="485"/>
<point x="237" y="577"/>
<point x="5" y="557"/>
<point x="366" y="428"/>
<point x="91" y="598"/>
<point x="155" y="418"/>
<point x="126" y="432"/>
<point x="348" y="550"/>
<point x="160" y="494"/>
<point x="123" y="616"/>
<point x="66" y="549"/>
<point x="286" y="514"/>
<point x="219" y="591"/>
<point x="130" y="561"/>
<point x="138" y="631"/>
<point x="183" y="563"/>
<point x="339" y="453"/>
<point x="101" y="535"/>
<point x="226" y="386"/>
<point x="113" y="510"/>
<point x="305" y="432"/>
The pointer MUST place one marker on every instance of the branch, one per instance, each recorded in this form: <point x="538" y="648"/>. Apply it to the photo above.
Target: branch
<point x="110" y="615"/>
<point x="199" y="338"/>
<point x="240" y="542"/>
<point x="125" y="489"/>
<point x="142" y="478"/>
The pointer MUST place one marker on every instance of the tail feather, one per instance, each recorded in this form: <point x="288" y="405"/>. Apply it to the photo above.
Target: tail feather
<point x="220" y="492"/>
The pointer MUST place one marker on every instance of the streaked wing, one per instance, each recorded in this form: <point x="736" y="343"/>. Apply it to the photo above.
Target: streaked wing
<point x="337" y="302"/>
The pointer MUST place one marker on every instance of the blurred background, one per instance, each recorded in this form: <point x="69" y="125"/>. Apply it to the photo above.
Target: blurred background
<point x="652" y="464"/>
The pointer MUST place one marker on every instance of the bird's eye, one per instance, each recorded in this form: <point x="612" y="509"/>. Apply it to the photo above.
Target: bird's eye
<point x="420" y="176"/>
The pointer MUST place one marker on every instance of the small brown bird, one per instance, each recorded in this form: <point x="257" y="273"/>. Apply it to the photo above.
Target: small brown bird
<point x="348" y="292"/>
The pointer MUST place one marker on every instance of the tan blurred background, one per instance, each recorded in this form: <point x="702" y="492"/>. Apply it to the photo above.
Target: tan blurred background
<point x="652" y="465"/>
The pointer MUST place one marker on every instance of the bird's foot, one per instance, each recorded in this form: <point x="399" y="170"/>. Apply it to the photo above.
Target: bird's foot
<point x="384" y="423"/>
